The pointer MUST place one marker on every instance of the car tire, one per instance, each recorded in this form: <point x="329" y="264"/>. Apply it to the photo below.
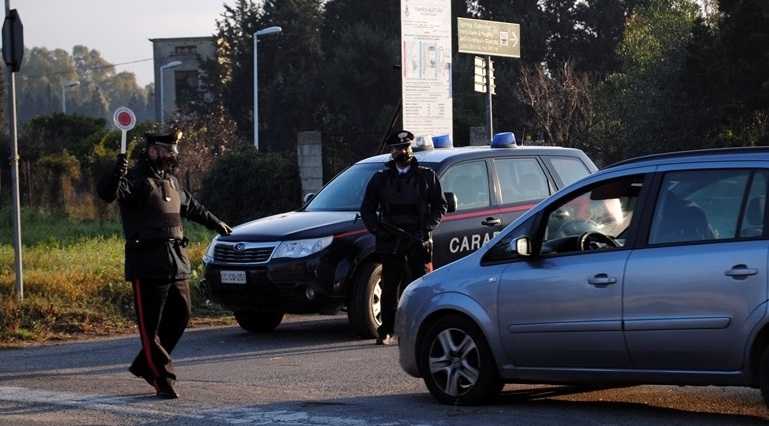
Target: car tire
<point x="364" y="311"/>
<point x="763" y="375"/>
<point x="258" y="322"/>
<point x="456" y="363"/>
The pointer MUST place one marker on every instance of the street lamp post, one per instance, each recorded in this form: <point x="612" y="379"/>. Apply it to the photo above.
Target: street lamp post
<point x="265" y="31"/>
<point x="66" y="85"/>
<point x="169" y="65"/>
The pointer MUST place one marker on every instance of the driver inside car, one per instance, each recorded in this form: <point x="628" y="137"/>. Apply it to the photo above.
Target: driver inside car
<point x="593" y="221"/>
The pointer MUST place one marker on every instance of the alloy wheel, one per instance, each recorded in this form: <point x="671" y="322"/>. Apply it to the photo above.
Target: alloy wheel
<point x="455" y="361"/>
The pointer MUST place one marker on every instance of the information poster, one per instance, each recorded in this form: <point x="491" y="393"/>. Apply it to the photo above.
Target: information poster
<point x="426" y="67"/>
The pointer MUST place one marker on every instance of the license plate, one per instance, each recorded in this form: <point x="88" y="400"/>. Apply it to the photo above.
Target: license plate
<point x="233" y="277"/>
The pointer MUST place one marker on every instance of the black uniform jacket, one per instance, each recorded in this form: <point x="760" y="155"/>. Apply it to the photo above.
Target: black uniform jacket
<point x="154" y="237"/>
<point x="413" y="202"/>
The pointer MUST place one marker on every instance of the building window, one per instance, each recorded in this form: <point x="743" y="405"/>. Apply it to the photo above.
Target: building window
<point x="186" y="86"/>
<point x="186" y="50"/>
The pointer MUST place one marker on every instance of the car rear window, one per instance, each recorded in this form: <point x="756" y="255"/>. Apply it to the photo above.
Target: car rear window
<point x="569" y="169"/>
<point x="521" y="179"/>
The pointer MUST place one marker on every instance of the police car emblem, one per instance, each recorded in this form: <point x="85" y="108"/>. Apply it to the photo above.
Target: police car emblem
<point x="240" y="246"/>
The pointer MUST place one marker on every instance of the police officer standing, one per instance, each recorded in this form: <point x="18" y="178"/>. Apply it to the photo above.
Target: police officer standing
<point x="402" y="205"/>
<point x="152" y="205"/>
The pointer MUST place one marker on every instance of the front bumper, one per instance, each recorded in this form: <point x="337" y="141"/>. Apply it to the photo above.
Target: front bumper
<point x="407" y="325"/>
<point x="290" y="285"/>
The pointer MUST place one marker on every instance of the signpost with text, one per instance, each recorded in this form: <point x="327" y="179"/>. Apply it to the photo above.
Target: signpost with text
<point x="426" y="67"/>
<point x="488" y="38"/>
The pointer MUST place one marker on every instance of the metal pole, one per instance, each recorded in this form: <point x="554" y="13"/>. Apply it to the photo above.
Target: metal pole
<point x="256" y="94"/>
<point x="63" y="100"/>
<point x="489" y="106"/>
<point x="11" y="78"/>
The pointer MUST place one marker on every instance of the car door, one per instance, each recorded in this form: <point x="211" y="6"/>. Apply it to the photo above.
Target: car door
<point x="521" y="184"/>
<point x="563" y="308"/>
<point x="465" y="230"/>
<point x="691" y="294"/>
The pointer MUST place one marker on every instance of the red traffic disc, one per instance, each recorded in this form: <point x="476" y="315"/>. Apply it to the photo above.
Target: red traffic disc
<point x="124" y="118"/>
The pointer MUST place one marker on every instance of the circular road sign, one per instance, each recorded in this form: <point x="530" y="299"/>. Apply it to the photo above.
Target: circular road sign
<point x="124" y="119"/>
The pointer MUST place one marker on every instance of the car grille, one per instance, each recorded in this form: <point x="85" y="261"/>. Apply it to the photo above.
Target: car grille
<point x="226" y="253"/>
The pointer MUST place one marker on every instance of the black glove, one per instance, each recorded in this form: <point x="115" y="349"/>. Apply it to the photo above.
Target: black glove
<point x="121" y="165"/>
<point x="223" y="229"/>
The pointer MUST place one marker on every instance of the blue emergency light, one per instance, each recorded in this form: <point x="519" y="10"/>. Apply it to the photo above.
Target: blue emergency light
<point x="504" y="140"/>
<point x="442" y="141"/>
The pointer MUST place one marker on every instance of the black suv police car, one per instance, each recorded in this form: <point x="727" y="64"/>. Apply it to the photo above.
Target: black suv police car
<point x="321" y="258"/>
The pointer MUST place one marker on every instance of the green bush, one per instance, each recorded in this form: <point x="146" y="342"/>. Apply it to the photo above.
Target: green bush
<point x="245" y="185"/>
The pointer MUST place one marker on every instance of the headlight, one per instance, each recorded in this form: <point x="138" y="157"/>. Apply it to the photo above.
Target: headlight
<point x="209" y="256"/>
<point x="301" y="248"/>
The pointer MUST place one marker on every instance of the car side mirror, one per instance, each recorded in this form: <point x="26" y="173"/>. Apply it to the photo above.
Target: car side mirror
<point x="523" y="246"/>
<point x="308" y="197"/>
<point x="452" y="202"/>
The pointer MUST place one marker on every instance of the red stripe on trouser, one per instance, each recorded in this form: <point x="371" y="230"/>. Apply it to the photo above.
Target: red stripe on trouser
<point x="143" y="330"/>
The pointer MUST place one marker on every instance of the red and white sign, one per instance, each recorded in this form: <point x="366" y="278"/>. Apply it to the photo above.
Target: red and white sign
<point x="124" y="120"/>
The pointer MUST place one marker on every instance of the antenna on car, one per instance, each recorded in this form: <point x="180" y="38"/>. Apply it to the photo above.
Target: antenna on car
<point x="393" y="120"/>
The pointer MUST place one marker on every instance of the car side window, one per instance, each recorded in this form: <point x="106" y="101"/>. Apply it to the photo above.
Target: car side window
<point x="521" y="179"/>
<point x="596" y="219"/>
<point x="569" y="169"/>
<point x="470" y="184"/>
<point x="752" y="223"/>
<point x="700" y="205"/>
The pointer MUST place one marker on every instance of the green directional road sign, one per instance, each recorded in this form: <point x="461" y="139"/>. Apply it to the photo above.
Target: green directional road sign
<point x="489" y="38"/>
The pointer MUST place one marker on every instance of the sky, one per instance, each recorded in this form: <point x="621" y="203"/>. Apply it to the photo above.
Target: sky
<point x="119" y="29"/>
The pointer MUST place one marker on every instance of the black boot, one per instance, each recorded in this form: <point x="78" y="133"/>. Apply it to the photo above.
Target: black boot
<point x="165" y="387"/>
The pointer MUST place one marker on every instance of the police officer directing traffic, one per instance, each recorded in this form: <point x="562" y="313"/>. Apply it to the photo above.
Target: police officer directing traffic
<point x="152" y="205"/>
<point x="402" y="206"/>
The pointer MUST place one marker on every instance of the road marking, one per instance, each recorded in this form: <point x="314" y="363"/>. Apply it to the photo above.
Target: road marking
<point x="139" y="406"/>
<point x="118" y="404"/>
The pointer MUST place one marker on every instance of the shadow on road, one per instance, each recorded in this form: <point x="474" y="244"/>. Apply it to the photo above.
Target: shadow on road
<point x="525" y="407"/>
<point x="197" y="346"/>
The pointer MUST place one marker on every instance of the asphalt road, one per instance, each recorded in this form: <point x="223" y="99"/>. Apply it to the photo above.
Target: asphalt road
<point x="311" y="371"/>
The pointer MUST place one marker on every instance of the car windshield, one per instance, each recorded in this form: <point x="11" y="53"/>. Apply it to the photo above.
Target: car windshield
<point x="345" y="192"/>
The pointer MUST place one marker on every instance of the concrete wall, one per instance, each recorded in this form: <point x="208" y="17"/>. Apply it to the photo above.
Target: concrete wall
<point x="164" y="50"/>
<point x="309" y="150"/>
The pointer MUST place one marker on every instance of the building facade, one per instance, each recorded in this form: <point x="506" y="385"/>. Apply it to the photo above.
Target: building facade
<point x="178" y="83"/>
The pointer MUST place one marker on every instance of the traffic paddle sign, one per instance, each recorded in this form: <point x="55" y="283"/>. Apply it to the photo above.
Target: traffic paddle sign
<point x="125" y="120"/>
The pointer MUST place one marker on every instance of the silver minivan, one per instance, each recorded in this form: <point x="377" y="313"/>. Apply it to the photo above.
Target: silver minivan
<point x="652" y="271"/>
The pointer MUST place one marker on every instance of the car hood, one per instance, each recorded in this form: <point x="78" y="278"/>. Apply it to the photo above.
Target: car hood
<point x="296" y="226"/>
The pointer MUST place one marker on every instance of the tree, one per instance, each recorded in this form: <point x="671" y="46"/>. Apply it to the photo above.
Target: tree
<point x="55" y="133"/>
<point x="641" y="106"/>
<point x="206" y="139"/>
<point x="561" y="103"/>
<point x="245" y="185"/>
<point x="288" y="68"/>
<point x="360" y="78"/>
<point x="289" y="71"/>
<point x="100" y="89"/>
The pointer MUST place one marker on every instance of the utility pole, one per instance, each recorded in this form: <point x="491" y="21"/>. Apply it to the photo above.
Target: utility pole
<point x="13" y="51"/>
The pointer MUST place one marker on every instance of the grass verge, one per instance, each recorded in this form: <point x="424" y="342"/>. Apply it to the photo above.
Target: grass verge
<point x="73" y="281"/>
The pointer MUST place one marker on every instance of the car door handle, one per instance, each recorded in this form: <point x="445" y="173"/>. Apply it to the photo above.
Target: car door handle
<point x="492" y="221"/>
<point x="601" y="280"/>
<point x="740" y="271"/>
